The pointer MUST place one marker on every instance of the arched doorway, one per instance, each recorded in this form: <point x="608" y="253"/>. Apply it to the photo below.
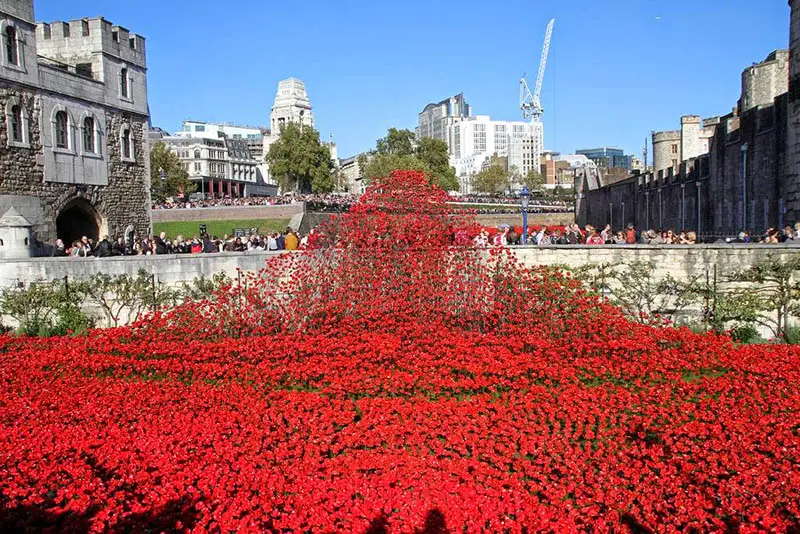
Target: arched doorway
<point x="77" y="219"/>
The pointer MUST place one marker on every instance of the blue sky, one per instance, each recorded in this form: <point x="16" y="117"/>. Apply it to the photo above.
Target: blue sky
<point x="618" y="68"/>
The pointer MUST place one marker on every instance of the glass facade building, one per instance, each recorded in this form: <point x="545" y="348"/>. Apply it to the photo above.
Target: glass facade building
<point x="608" y="157"/>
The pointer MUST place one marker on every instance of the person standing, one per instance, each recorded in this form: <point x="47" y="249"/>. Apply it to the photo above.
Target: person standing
<point x="161" y="245"/>
<point x="272" y="242"/>
<point x="104" y="249"/>
<point x="607" y="234"/>
<point x="291" y="241"/>
<point x="594" y="238"/>
<point x="630" y="235"/>
<point x="60" y="251"/>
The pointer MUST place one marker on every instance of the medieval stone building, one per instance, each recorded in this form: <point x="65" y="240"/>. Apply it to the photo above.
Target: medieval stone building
<point x="721" y="175"/>
<point x="74" y="127"/>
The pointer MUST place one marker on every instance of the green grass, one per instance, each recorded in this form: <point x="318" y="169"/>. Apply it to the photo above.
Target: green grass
<point x="219" y="228"/>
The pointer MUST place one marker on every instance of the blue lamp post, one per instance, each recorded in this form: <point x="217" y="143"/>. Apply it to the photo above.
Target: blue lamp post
<point x="524" y="199"/>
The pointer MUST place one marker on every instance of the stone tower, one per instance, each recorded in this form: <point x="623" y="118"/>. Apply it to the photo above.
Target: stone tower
<point x="792" y="174"/>
<point x="291" y="105"/>
<point x="74" y="155"/>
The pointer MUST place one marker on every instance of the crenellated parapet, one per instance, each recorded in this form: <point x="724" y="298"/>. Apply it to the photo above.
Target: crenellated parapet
<point x="79" y="39"/>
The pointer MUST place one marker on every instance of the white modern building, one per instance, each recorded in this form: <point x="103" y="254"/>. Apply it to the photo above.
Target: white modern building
<point x="476" y="139"/>
<point x="437" y="119"/>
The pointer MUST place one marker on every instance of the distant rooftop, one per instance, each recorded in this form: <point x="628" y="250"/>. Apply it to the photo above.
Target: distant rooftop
<point x="226" y="124"/>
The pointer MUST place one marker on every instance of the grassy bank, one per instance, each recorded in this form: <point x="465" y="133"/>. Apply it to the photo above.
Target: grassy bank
<point x="219" y="228"/>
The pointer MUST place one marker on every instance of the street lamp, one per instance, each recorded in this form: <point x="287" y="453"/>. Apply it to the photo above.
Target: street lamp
<point x="162" y="174"/>
<point x="524" y="200"/>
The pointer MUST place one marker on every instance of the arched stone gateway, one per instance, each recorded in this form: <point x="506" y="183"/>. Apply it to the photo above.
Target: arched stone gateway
<point x="79" y="218"/>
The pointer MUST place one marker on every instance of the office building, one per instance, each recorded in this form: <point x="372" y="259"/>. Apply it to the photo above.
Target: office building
<point x="607" y="157"/>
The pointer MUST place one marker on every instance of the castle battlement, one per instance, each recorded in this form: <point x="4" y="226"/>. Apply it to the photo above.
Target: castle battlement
<point x="668" y="135"/>
<point x="77" y="40"/>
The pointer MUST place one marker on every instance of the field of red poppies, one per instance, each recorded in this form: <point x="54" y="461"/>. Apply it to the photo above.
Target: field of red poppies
<point x="392" y="379"/>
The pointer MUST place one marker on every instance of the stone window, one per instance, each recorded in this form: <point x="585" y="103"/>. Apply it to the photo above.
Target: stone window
<point x="197" y="167"/>
<point x="85" y="27"/>
<point x="12" y="46"/>
<point x="84" y="69"/>
<point x="126" y="144"/>
<point x="16" y="123"/>
<point x="62" y="130"/>
<point x="124" y="90"/>
<point x="89" y="138"/>
<point x="674" y="149"/>
<point x="197" y="154"/>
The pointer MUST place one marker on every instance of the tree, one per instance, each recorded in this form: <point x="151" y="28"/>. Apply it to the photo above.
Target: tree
<point x="397" y="142"/>
<point x="299" y="161"/>
<point x="493" y="179"/>
<point x="533" y="180"/>
<point x="339" y="179"/>
<point x="383" y="164"/>
<point x="400" y="150"/>
<point x="176" y="180"/>
<point x="770" y="299"/>
<point x="564" y="193"/>
<point x="434" y="154"/>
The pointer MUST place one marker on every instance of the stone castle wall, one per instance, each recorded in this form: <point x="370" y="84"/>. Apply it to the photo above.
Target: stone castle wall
<point x="792" y="162"/>
<point x="750" y="178"/>
<point x="120" y="203"/>
<point x="682" y="262"/>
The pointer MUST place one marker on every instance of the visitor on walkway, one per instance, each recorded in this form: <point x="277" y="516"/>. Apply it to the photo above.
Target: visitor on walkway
<point x="291" y="241"/>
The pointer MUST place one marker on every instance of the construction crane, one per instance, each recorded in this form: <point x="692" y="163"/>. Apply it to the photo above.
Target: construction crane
<point x="531" y="104"/>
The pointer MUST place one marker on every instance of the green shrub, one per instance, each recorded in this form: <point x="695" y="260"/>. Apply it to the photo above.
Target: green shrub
<point x="46" y="309"/>
<point x="792" y="336"/>
<point x="746" y="333"/>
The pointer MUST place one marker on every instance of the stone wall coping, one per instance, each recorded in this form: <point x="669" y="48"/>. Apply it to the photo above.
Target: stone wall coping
<point x="233" y="255"/>
<point x="151" y="258"/>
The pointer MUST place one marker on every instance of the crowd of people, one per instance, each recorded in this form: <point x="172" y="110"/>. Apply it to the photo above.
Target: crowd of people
<point x="187" y="203"/>
<point x="162" y="244"/>
<point x="573" y="234"/>
<point x="327" y="201"/>
<point x="511" y="201"/>
<point x="335" y="203"/>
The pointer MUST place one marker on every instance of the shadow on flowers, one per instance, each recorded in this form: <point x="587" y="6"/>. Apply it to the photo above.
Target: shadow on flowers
<point x="174" y="515"/>
<point x="434" y="524"/>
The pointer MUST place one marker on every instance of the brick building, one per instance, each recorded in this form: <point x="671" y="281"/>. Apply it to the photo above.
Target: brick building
<point x="721" y="175"/>
<point x="73" y="139"/>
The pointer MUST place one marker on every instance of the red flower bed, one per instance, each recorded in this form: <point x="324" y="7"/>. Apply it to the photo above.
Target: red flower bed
<point x="390" y="380"/>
